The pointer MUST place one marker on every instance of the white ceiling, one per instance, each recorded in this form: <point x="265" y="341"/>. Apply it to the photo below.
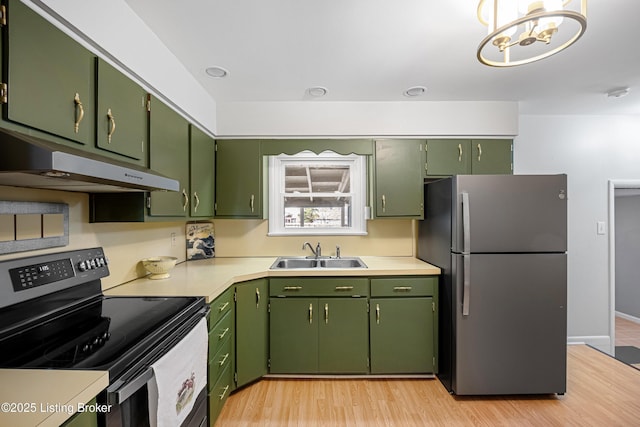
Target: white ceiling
<point x="373" y="50"/>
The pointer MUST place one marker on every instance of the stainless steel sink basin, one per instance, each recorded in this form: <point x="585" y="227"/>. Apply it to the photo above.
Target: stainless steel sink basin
<point x="284" y="263"/>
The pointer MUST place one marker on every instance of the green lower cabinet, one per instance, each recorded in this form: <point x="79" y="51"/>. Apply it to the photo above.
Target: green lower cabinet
<point x="402" y="335"/>
<point x="252" y="330"/>
<point x="342" y="336"/>
<point x="83" y="419"/>
<point x="293" y="337"/>
<point x="319" y="336"/>
<point x="218" y="395"/>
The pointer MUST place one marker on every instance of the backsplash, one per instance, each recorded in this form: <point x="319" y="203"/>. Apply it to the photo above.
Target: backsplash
<point x="127" y="243"/>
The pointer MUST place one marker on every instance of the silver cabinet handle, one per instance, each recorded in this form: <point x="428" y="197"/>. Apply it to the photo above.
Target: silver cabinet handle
<point x="459" y="152"/>
<point x="185" y="197"/>
<point x="224" y="391"/>
<point x="479" y="152"/>
<point x="222" y="361"/>
<point x="197" y="199"/>
<point x="402" y="288"/>
<point x="292" y="288"/>
<point x="112" y="125"/>
<point x="384" y="203"/>
<point x="377" y="314"/>
<point x="221" y="336"/>
<point x="326" y="314"/>
<point x="257" y="298"/>
<point x="344" y="288"/>
<point x="310" y="313"/>
<point x="223" y="306"/>
<point x="251" y="201"/>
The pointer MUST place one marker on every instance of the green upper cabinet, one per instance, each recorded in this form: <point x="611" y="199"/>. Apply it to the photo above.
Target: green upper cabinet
<point x="252" y="330"/>
<point x="121" y="112"/>
<point x="202" y="173"/>
<point x="49" y="77"/>
<point x="169" y="155"/>
<point x="463" y="156"/>
<point x="492" y="156"/>
<point x="399" y="165"/>
<point x="238" y="179"/>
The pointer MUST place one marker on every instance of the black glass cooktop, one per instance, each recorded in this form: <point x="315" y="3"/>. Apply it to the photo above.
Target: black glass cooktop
<point x="97" y="334"/>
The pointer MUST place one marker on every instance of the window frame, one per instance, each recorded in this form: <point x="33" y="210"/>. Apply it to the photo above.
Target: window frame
<point x="276" y="187"/>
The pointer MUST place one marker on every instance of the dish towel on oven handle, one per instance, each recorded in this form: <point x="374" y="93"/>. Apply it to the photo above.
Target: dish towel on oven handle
<point x="178" y="378"/>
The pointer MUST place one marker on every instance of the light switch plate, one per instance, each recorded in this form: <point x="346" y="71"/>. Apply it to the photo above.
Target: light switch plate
<point x="602" y="227"/>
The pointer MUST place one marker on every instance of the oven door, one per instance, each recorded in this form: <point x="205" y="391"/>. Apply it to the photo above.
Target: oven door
<point x="128" y="395"/>
<point x="134" y="411"/>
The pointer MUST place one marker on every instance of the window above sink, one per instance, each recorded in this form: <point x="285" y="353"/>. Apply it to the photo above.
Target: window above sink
<point x="317" y="194"/>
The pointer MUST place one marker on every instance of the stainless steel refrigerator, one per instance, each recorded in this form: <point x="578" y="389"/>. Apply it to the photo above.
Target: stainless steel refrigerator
<point x="501" y="242"/>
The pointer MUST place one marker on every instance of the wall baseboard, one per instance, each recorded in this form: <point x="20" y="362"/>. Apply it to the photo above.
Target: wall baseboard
<point x="628" y="317"/>
<point x="601" y="342"/>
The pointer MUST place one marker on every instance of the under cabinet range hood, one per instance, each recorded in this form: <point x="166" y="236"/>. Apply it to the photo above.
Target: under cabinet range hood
<point x="27" y="161"/>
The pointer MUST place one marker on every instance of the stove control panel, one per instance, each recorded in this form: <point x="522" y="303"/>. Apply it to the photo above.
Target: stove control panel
<point x="83" y="265"/>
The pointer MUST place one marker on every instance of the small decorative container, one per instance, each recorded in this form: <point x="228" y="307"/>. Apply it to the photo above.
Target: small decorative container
<point x="159" y="266"/>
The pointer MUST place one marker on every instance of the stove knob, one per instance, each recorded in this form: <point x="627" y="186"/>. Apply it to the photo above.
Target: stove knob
<point x="85" y="348"/>
<point x="106" y="336"/>
<point x="93" y="263"/>
<point x="82" y="266"/>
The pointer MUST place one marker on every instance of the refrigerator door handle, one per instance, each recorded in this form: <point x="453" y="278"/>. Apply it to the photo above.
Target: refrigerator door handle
<point x="466" y="284"/>
<point x="466" y="256"/>
<point x="466" y="224"/>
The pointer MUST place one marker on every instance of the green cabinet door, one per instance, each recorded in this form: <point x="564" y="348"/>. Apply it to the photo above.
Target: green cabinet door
<point x="202" y="173"/>
<point x="50" y="77"/>
<point x="121" y="114"/>
<point x="492" y="156"/>
<point x="238" y="179"/>
<point x="448" y="157"/>
<point x="252" y="330"/>
<point x="399" y="166"/>
<point x="169" y="155"/>
<point x="343" y="338"/>
<point x="402" y="335"/>
<point x="293" y="335"/>
<point x="83" y="419"/>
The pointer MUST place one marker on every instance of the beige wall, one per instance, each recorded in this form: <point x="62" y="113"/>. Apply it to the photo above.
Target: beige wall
<point x="125" y="244"/>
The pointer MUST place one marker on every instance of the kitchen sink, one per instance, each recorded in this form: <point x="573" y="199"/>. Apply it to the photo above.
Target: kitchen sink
<point x="284" y="263"/>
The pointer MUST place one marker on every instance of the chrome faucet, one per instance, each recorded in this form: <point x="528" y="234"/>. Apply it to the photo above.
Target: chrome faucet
<point x="318" y="250"/>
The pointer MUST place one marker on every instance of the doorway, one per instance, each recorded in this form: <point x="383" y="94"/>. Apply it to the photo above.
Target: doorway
<point x="624" y="253"/>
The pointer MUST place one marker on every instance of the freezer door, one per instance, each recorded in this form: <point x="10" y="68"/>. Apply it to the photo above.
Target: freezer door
<point x="510" y="213"/>
<point x="513" y="339"/>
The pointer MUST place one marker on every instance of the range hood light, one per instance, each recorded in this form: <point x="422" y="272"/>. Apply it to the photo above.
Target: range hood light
<point x="55" y="174"/>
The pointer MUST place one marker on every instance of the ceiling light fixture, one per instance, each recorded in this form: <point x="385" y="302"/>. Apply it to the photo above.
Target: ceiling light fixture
<point x="217" y="72"/>
<point x="317" y="91"/>
<point x="415" y="91"/>
<point x="618" y="92"/>
<point x="524" y="31"/>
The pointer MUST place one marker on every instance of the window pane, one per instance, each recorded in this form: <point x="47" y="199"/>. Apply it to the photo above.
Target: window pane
<point x="317" y="212"/>
<point x="317" y="179"/>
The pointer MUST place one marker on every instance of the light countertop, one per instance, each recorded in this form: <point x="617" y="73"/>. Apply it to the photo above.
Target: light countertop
<point x="46" y="397"/>
<point x="211" y="277"/>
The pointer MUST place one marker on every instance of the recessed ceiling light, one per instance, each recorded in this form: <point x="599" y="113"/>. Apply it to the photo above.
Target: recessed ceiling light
<point x="618" y="92"/>
<point x="317" y="91"/>
<point x="415" y="91"/>
<point x="217" y="72"/>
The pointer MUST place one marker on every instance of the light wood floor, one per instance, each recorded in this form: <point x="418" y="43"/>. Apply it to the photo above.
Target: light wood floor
<point x="601" y="391"/>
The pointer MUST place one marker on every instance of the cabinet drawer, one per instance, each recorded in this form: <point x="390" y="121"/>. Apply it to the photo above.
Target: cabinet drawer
<point x="218" y="395"/>
<point x="404" y="286"/>
<point x="219" y="361"/>
<point x="319" y="286"/>
<point x="221" y="306"/>
<point x="219" y="334"/>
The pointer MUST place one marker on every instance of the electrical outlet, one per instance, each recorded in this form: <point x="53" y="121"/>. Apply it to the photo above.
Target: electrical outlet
<point x="173" y="239"/>
<point x="602" y="227"/>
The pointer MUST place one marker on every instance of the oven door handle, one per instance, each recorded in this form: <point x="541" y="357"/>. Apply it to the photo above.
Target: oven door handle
<point x="119" y="392"/>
